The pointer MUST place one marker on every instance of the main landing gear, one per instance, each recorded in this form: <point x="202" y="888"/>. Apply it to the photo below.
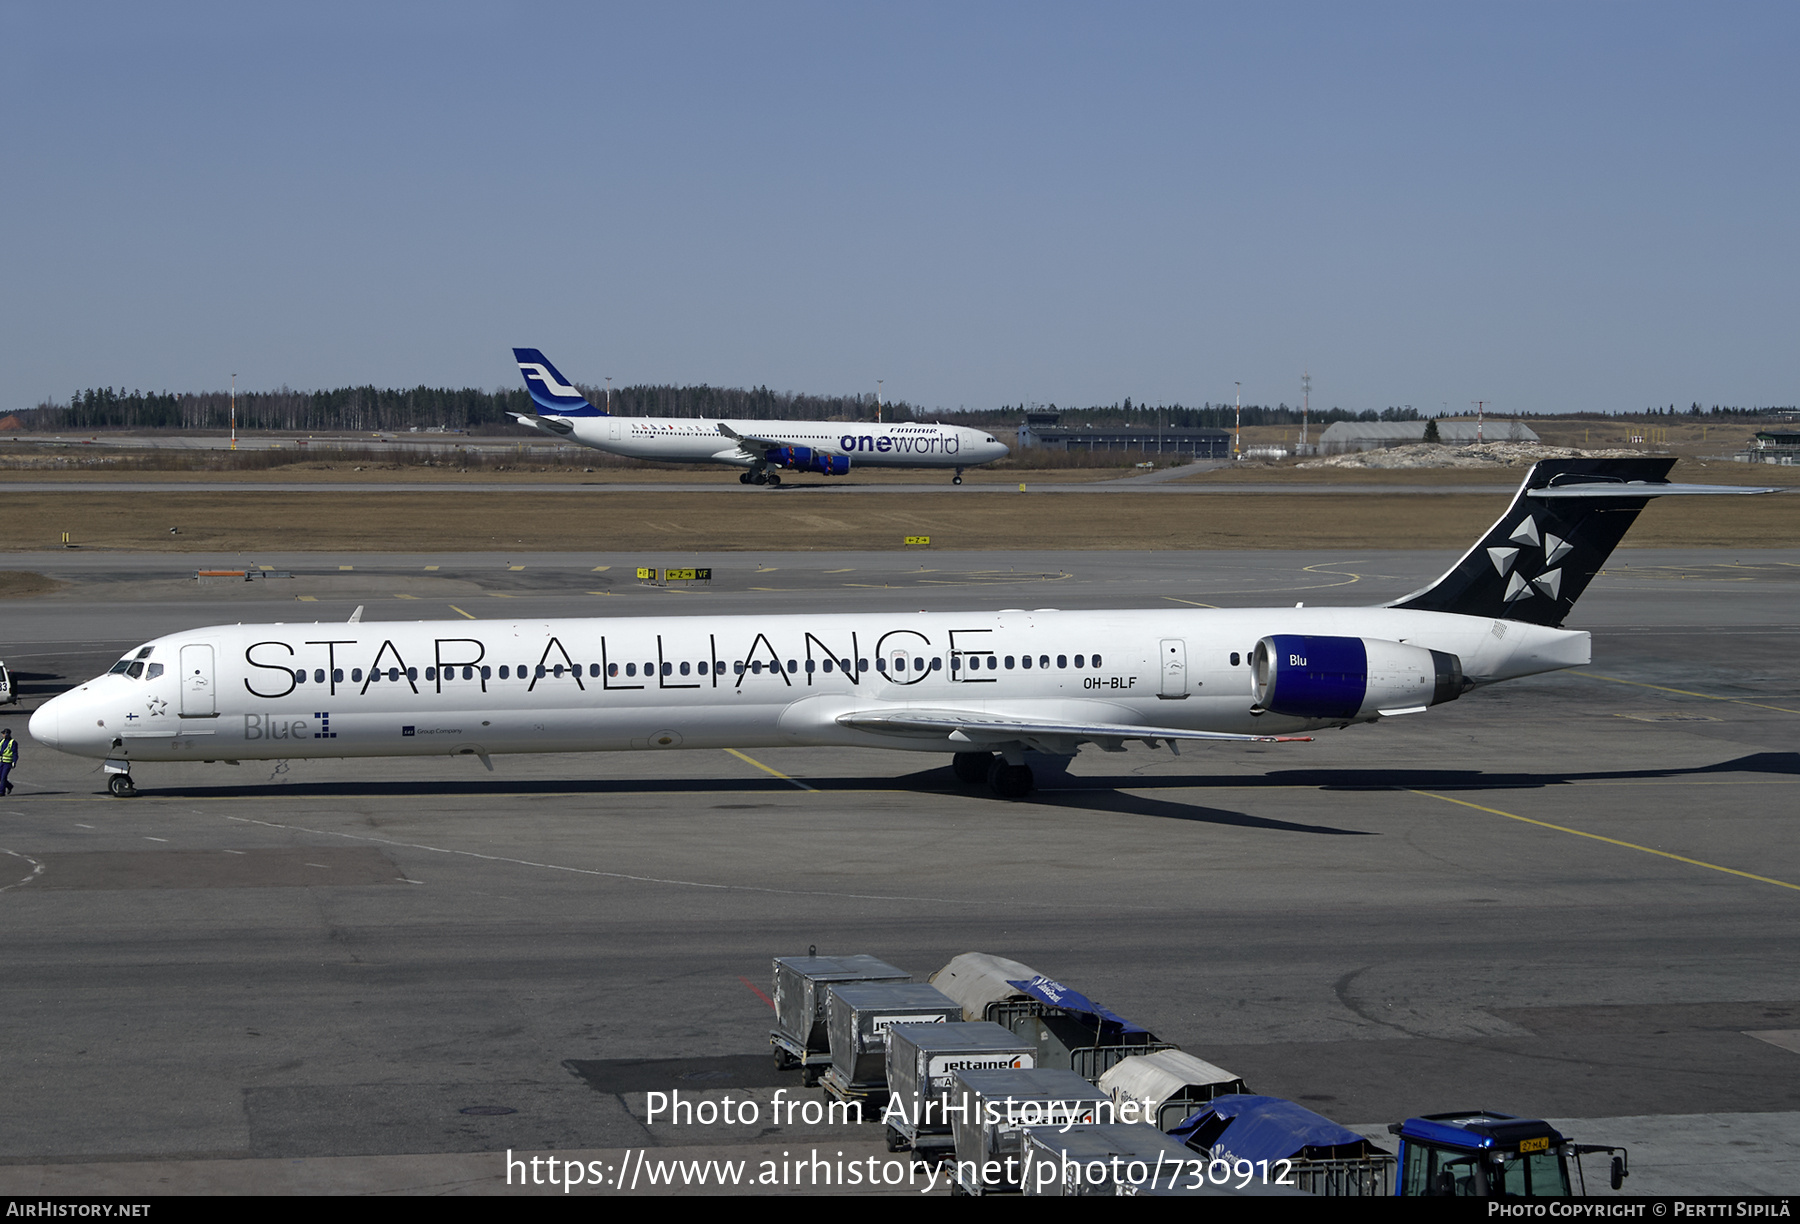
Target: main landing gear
<point x="765" y="477"/>
<point x="1008" y="781"/>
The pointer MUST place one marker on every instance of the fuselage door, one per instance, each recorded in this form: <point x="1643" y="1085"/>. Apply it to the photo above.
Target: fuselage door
<point x="613" y="426"/>
<point x="197" y="700"/>
<point x="1174" y="669"/>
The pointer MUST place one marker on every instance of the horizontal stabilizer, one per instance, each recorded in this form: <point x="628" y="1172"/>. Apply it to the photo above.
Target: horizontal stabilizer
<point x="989" y="730"/>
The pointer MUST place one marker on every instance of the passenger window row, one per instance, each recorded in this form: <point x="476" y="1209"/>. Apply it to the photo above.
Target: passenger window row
<point x="650" y="669"/>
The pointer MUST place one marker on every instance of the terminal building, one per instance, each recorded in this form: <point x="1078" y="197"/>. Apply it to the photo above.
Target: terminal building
<point x="1771" y="446"/>
<point x="1344" y="437"/>
<point x="1041" y="430"/>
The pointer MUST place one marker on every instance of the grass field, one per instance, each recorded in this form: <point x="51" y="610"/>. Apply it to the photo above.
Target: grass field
<point x="247" y="520"/>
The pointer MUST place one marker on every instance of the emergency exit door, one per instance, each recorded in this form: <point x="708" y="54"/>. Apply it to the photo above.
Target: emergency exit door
<point x="1174" y="669"/>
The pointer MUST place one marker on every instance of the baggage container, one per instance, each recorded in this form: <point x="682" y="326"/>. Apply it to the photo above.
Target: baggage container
<point x="1071" y="1030"/>
<point x="983" y="984"/>
<point x="1166" y="1086"/>
<point x="922" y="1060"/>
<point x="990" y="1110"/>
<point x="1296" y="1143"/>
<point x="799" y="1036"/>
<point x="857" y="1019"/>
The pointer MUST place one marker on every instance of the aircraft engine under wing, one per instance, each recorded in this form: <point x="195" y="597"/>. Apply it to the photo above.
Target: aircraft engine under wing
<point x="1052" y="735"/>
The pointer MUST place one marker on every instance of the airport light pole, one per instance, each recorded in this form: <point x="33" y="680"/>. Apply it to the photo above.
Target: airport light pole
<point x="1237" y="432"/>
<point x="878" y="383"/>
<point x="1479" y="405"/>
<point x="234" y="412"/>
<point x="1305" y="403"/>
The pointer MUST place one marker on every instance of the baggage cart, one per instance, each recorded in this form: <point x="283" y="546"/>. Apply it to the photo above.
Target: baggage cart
<point x="983" y="984"/>
<point x="1297" y="1144"/>
<point x="801" y="982"/>
<point x="857" y="1019"/>
<point x="1071" y="1030"/>
<point x="992" y="1109"/>
<point x="1166" y="1086"/>
<point x="922" y="1060"/>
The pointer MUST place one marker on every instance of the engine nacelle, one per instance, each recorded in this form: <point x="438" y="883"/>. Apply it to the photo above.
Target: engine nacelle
<point x="1350" y="678"/>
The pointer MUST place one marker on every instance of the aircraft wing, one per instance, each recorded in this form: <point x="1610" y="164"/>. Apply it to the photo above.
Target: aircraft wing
<point x="1051" y="735"/>
<point x="748" y="443"/>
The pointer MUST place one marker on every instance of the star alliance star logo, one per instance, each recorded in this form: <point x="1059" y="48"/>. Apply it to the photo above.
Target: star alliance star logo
<point x="156" y="706"/>
<point x="1549" y="581"/>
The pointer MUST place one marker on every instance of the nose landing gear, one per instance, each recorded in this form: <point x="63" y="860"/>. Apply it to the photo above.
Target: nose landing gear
<point x="957" y="479"/>
<point x="121" y="785"/>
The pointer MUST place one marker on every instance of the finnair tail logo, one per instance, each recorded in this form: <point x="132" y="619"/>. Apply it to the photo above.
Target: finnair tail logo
<point x="542" y="373"/>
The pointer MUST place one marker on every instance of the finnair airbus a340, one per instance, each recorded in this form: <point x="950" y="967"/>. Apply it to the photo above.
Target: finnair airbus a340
<point x="990" y="687"/>
<point x="764" y="449"/>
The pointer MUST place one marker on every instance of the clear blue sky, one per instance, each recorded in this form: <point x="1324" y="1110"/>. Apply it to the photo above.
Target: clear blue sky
<point x="1548" y="206"/>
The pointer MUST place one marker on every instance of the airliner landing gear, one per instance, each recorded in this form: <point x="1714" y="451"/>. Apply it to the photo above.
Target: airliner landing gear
<point x="1011" y="781"/>
<point x="759" y="478"/>
<point x="775" y="478"/>
<point x="957" y="479"/>
<point x="745" y="477"/>
<point x="972" y="767"/>
<point x="121" y="785"/>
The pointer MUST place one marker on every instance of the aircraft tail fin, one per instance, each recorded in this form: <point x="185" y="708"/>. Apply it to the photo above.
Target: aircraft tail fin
<point x="551" y="393"/>
<point x="1565" y="520"/>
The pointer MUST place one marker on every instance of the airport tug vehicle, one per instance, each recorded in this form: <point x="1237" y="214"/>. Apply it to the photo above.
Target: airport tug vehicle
<point x="1480" y="1154"/>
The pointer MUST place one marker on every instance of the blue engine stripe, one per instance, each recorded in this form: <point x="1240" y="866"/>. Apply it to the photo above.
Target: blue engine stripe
<point x="1317" y="677"/>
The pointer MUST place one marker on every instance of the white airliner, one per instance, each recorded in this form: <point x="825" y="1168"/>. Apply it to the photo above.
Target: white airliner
<point x="990" y="687"/>
<point x="762" y="448"/>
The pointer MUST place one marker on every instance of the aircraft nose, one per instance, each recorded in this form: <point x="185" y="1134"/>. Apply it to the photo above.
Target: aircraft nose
<point x="46" y="724"/>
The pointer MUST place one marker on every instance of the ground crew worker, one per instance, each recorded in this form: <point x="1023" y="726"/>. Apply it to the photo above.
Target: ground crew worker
<point x="9" y="756"/>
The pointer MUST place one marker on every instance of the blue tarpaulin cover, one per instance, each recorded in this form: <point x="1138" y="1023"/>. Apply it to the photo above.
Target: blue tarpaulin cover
<point x="1053" y="992"/>
<point x="1270" y="1128"/>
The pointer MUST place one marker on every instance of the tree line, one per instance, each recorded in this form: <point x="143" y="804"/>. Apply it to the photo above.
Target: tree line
<point x="378" y="409"/>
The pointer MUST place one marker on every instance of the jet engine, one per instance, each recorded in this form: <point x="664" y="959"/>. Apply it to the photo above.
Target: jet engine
<point x="806" y="459"/>
<point x="1351" y="678"/>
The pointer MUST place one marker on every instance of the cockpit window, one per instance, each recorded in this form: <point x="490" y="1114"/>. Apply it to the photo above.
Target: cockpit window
<point x="156" y="669"/>
<point x="135" y="670"/>
<point x="145" y="652"/>
<point x="118" y="669"/>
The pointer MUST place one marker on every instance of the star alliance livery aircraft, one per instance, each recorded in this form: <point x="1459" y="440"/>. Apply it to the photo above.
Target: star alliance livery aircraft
<point x="990" y="687"/>
<point x="762" y="448"/>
